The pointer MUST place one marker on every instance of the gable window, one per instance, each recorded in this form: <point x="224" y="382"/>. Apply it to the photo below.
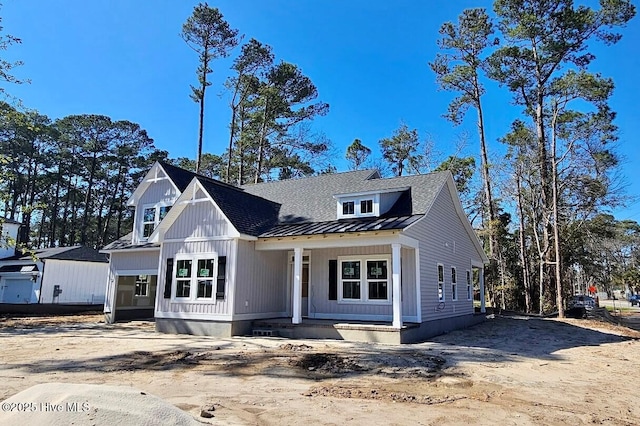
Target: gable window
<point x="366" y="206"/>
<point x="199" y="277"/>
<point x="148" y="221"/>
<point x="151" y="217"/>
<point x="348" y="207"/>
<point x="440" y="282"/>
<point x="468" y="285"/>
<point x="364" y="280"/>
<point x="454" y="284"/>
<point x="142" y="286"/>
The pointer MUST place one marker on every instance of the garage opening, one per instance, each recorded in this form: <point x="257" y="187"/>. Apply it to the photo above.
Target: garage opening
<point x="135" y="297"/>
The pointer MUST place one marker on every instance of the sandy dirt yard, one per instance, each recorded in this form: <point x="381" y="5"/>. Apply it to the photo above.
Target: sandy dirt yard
<point x="507" y="371"/>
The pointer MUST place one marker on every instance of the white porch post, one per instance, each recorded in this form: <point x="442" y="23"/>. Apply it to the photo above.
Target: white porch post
<point x="397" y="292"/>
<point x="297" y="285"/>
<point x="482" y="298"/>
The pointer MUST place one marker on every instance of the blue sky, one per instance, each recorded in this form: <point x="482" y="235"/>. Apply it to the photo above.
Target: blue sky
<point x="125" y="59"/>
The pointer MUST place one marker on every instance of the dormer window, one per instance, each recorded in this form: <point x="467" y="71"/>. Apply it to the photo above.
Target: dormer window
<point x="366" y="206"/>
<point x="348" y="208"/>
<point x="151" y="217"/>
<point x="358" y="206"/>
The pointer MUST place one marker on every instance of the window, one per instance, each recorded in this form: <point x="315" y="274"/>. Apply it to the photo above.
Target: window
<point x="199" y="277"/>
<point x="358" y="206"/>
<point x="205" y="278"/>
<point x="366" y="206"/>
<point x="454" y="284"/>
<point x="151" y="217"/>
<point x="348" y="207"/>
<point x="148" y="221"/>
<point x="350" y="279"/>
<point x="469" y="285"/>
<point x="142" y="286"/>
<point x="183" y="278"/>
<point x="371" y="285"/>
<point x="377" y="279"/>
<point x="440" y="282"/>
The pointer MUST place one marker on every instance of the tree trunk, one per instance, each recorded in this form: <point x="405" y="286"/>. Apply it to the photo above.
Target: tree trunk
<point x="556" y="220"/>
<point x="203" y="88"/>
<point x="261" y="147"/>
<point x="523" y="255"/>
<point x="87" y="199"/>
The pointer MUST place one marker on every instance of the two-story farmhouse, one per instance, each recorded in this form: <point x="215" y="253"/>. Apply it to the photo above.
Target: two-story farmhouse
<point x="347" y="255"/>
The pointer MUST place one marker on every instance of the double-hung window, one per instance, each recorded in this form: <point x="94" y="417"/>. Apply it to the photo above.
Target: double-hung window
<point x="440" y="282"/>
<point x="199" y="277"/>
<point x="183" y="278"/>
<point x="151" y="217"/>
<point x="205" y="278"/>
<point x="364" y="280"/>
<point x="469" y="285"/>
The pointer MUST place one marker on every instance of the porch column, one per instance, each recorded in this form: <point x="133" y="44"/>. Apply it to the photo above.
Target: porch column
<point x="482" y="298"/>
<point x="297" y="286"/>
<point x="397" y="292"/>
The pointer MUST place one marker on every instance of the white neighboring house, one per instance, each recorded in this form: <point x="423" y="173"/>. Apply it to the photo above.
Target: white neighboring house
<point x="61" y="275"/>
<point x="345" y="255"/>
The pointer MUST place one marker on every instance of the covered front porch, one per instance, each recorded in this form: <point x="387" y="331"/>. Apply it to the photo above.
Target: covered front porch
<point x="351" y="280"/>
<point x="360" y="331"/>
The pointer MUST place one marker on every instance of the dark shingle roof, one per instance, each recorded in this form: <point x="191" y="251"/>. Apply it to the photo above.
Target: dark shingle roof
<point x="124" y="243"/>
<point x="249" y="214"/>
<point x="78" y="253"/>
<point x="312" y="199"/>
<point x="180" y="177"/>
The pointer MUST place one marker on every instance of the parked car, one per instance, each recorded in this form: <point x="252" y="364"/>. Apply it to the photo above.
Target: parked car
<point x="582" y="301"/>
<point x="635" y="300"/>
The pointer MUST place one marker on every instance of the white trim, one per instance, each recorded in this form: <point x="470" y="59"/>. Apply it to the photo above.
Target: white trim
<point x="396" y="285"/>
<point x="438" y="298"/>
<point x="297" y="286"/>
<point x="133" y="272"/>
<point x="149" y="178"/>
<point x="129" y="250"/>
<point x="469" y="281"/>
<point x="179" y="205"/>
<point x="364" y="317"/>
<point x="193" y="279"/>
<point x="193" y="315"/>
<point x="357" y="206"/>
<point x="218" y="317"/>
<point x="408" y="241"/>
<point x="198" y="239"/>
<point x="309" y="242"/>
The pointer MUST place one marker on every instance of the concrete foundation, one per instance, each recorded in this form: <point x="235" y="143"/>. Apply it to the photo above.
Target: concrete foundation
<point x="203" y="328"/>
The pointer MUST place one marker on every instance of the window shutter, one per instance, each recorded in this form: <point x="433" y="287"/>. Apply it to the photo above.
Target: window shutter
<point x="221" y="278"/>
<point x="168" y="279"/>
<point x="333" y="280"/>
